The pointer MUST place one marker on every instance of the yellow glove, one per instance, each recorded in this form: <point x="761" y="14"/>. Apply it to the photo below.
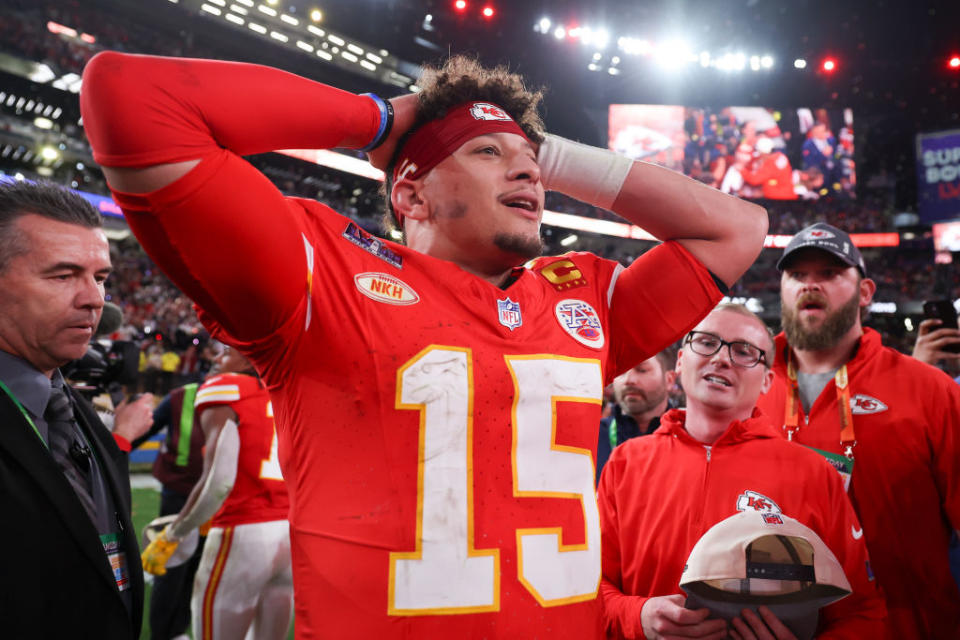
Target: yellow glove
<point x="158" y="552"/>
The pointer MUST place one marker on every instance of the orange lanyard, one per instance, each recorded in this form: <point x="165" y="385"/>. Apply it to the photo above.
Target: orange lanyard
<point x="791" y="423"/>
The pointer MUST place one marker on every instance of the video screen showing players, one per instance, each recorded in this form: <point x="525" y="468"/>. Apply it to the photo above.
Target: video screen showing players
<point x="750" y="152"/>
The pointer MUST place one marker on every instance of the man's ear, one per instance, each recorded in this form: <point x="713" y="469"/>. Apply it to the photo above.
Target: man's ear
<point x="670" y="377"/>
<point x="407" y="201"/>
<point x="867" y="288"/>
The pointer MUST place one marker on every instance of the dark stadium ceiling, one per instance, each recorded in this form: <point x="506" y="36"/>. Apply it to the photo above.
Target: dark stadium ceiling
<point x="883" y="46"/>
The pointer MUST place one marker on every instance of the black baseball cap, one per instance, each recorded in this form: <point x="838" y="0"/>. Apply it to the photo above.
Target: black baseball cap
<point x="826" y="238"/>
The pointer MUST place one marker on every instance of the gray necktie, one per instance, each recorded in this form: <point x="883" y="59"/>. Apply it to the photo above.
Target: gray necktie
<point x="71" y="455"/>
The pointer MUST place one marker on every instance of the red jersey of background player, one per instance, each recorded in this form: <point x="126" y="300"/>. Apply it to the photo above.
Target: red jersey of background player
<point x="259" y="493"/>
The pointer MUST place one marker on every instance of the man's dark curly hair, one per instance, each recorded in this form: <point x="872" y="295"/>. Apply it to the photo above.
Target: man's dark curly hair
<point x="462" y="79"/>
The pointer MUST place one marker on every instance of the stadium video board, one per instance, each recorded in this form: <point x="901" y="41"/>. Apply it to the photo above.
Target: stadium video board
<point x="938" y="175"/>
<point x="751" y="152"/>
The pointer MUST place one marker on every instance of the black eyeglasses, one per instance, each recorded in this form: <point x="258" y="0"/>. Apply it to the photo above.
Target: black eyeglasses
<point x="742" y="354"/>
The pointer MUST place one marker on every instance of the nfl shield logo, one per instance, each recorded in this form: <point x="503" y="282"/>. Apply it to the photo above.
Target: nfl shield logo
<point x="509" y="312"/>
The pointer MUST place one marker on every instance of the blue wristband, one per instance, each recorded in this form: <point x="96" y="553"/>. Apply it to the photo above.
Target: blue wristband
<point x="386" y="122"/>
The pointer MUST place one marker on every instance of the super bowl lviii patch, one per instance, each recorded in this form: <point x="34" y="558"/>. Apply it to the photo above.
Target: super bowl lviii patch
<point x="581" y="322"/>
<point x="372" y="244"/>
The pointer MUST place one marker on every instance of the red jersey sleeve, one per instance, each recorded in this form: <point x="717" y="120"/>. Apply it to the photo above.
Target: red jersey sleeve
<point x="656" y="300"/>
<point x="222" y="390"/>
<point x="223" y="233"/>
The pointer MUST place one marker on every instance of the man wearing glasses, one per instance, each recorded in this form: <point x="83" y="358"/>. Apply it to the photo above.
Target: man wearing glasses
<point x="659" y="495"/>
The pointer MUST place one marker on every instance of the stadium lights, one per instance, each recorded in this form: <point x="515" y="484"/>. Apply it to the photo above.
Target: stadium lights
<point x="954" y="62"/>
<point x="559" y="33"/>
<point x="488" y="12"/>
<point x="800" y="63"/>
<point x="460" y="5"/>
<point x="544" y="25"/>
<point x="829" y="65"/>
<point x="42" y="123"/>
<point x="569" y="240"/>
<point x="49" y="153"/>
<point x="316" y="15"/>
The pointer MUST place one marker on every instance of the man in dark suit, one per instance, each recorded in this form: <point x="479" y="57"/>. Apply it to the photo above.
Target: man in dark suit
<point x="70" y="558"/>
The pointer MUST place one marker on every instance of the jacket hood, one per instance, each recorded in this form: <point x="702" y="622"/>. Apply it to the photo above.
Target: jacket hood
<point x="757" y="426"/>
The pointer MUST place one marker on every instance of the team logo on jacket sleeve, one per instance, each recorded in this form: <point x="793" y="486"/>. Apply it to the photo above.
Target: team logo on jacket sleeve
<point x="581" y="321"/>
<point x="508" y="312"/>
<point x="862" y="405"/>
<point x="751" y="500"/>
<point x="385" y="288"/>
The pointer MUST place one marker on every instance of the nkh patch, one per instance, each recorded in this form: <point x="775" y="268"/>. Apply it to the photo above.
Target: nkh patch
<point x="581" y="321"/>
<point x="487" y="111"/>
<point x="862" y="405"/>
<point x="508" y="312"/>
<point x="751" y="500"/>
<point x="372" y="244"/>
<point x="385" y="288"/>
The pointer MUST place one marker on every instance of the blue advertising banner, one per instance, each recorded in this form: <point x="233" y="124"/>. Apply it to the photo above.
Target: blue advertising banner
<point x="938" y="175"/>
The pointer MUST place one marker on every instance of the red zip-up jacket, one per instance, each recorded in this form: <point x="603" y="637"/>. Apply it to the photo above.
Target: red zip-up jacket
<point x="906" y="475"/>
<point x="658" y="495"/>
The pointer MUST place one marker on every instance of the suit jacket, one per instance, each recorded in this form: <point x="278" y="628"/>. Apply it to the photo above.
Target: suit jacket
<point x="55" y="579"/>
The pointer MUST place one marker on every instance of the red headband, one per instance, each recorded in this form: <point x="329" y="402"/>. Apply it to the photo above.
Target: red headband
<point x="437" y="139"/>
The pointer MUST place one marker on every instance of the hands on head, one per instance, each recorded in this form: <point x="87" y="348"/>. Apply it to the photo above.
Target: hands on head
<point x="932" y="341"/>
<point x="404" y="115"/>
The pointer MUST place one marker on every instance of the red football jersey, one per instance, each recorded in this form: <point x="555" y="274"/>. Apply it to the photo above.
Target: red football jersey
<point x="433" y="431"/>
<point x="259" y="493"/>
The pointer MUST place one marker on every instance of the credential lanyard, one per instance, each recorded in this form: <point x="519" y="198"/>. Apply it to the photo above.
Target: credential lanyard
<point x="791" y="423"/>
<point x="24" y="412"/>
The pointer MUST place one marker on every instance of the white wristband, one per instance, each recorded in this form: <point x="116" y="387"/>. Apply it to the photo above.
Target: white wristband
<point x="586" y="173"/>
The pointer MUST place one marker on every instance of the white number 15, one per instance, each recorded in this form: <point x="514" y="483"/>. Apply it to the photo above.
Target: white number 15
<point x="447" y="573"/>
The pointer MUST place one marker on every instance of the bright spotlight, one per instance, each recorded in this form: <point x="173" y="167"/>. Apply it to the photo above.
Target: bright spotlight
<point x="954" y="62"/>
<point x="460" y="5"/>
<point x="316" y="15"/>
<point x="49" y="154"/>
<point x="487" y="12"/>
<point x="673" y="54"/>
<point x="800" y="63"/>
<point x="766" y="62"/>
<point x="545" y="25"/>
<point x="601" y="38"/>
<point x="559" y="33"/>
<point x="569" y="240"/>
<point x="829" y="65"/>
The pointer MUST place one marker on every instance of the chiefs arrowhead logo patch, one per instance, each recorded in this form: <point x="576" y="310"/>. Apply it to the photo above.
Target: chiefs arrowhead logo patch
<point x="753" y="501"/>
<point x="861" y="405"/>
